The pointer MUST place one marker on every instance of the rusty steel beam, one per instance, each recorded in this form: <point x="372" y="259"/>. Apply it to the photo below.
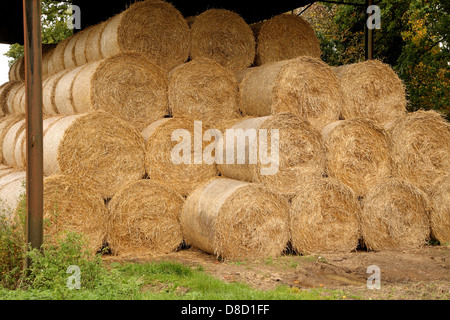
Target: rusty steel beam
<point x="33" y="95"/>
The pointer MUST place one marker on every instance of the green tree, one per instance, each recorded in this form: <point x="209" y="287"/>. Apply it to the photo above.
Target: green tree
<point x="54" y="19"/>
<point x="413" y="39"/>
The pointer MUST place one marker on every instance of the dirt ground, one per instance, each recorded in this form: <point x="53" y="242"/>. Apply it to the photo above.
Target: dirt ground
<point x="420" y="274"/>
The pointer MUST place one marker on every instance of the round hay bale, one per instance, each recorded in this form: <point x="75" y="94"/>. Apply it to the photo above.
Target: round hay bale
<point x="70" y="205"/>
<point x="162" y="140"/>
<point x="49" y="106"/>
<point x="17" y="70"/>
<point x="373" y="90"/>
<point x="57" y="57"/>
<point x="82" y="46"/>
<point x="69" y="52"/>
<point x="12" y="187"/>
<point x="102" y="150"/>
<point x="5" y="124"/>
<point x="62" y="96"/>
<point x="223" y="36"/>
<point x="5" y="90"/>
<point x="300" y="152"/>
<point x="440" y="213"/>
<point x="144" y="219"/>
<point x="286" y="36"/>
<point x="323" y="217"/>
<point x="127" y="85"/>
<point x="18" y="97"/>
<point x="10" y="141"/>
<point x="395" y="216"/>
<point x="93" y="43"/>
<point x="11" y="100"/>
<point x="47" y="51"/>
<point x="154" y="28"/>
<point x="235" y="220"/>
<point x="358" y="153"/>
<point x="12" y="72"/>
<point x="420" y="147"/>
<point x="305" y="86"/>
<point x="203" y="90"/>
<point x="20" y="148"/>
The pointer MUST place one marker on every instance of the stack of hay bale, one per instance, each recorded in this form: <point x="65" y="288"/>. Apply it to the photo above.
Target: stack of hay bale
<point x="131" y="160"/>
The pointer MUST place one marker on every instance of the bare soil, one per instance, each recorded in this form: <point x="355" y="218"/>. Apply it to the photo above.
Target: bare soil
<point x="419" y="274"/>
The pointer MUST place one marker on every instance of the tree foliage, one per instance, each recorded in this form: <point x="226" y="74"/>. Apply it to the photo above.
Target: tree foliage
<point x="413" y="39"/>
<point x="54" y="19"/>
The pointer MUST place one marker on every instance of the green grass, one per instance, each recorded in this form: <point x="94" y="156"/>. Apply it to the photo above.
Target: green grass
<point x="165" y="281"/>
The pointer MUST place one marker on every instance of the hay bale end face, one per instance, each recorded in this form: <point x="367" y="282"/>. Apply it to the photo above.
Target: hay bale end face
<point x="203" y="90"/>
<point x="100" y="149"/>
<point x="373" y="90"/>
<point x="395" y="216"/>
<point x="305" y="86"/>
<point x="159" y="163"/>
<point x="285" y="36"/>
<point x="154" y="28"/>
<point x="420" y="147"/>
<point x="70" y="205"/>
<point x="127" y="85"/>
<point x="323" y="217"/>
<point x="235" y="220"/>
<point x="440" y="213"/>
<point x="223" y="36"/>
<point x="358" y="153"/>
<point x="144" y="219"/>
<point x="294" y="148"/>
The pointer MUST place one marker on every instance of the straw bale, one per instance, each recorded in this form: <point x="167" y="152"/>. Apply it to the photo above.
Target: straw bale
<point x="11" y="98"/>
<point x="82" y="46"/>
<point x="17" y="70"/>
<point x="236" y="220"/>
<point x="9" y="142"/>
<point x="286" y="36"/>
<point x="154" y="28"/>
<point x="5" y="91"/>
<point x="358" y="153"/>
<point x="57" y="58"/>
<point x="5" y="124"/>
<point x="72" y="206"/>
<point x="93" y="42"/>
<point x="440" y="213"/>
<point x="301" y="152"/>
<point x="100" y="149"/>
<point x="144" y="219"/>
<point x="395" y="216"/>
<point x="184" y="177"/>
<point x="223" y="36"/>
<point x="12" y="187"/>
<point x="304" y="86"/>
<point x="49" y="106"/>
<point x="127" y="85"/>
<point x="323" y="217"/>
<point x="420" y="147"/>
<point x="47" y="52"/>
<point x="18" y="97"/>
<point x="203" y="90"/>
<point x="372" y="90"/>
